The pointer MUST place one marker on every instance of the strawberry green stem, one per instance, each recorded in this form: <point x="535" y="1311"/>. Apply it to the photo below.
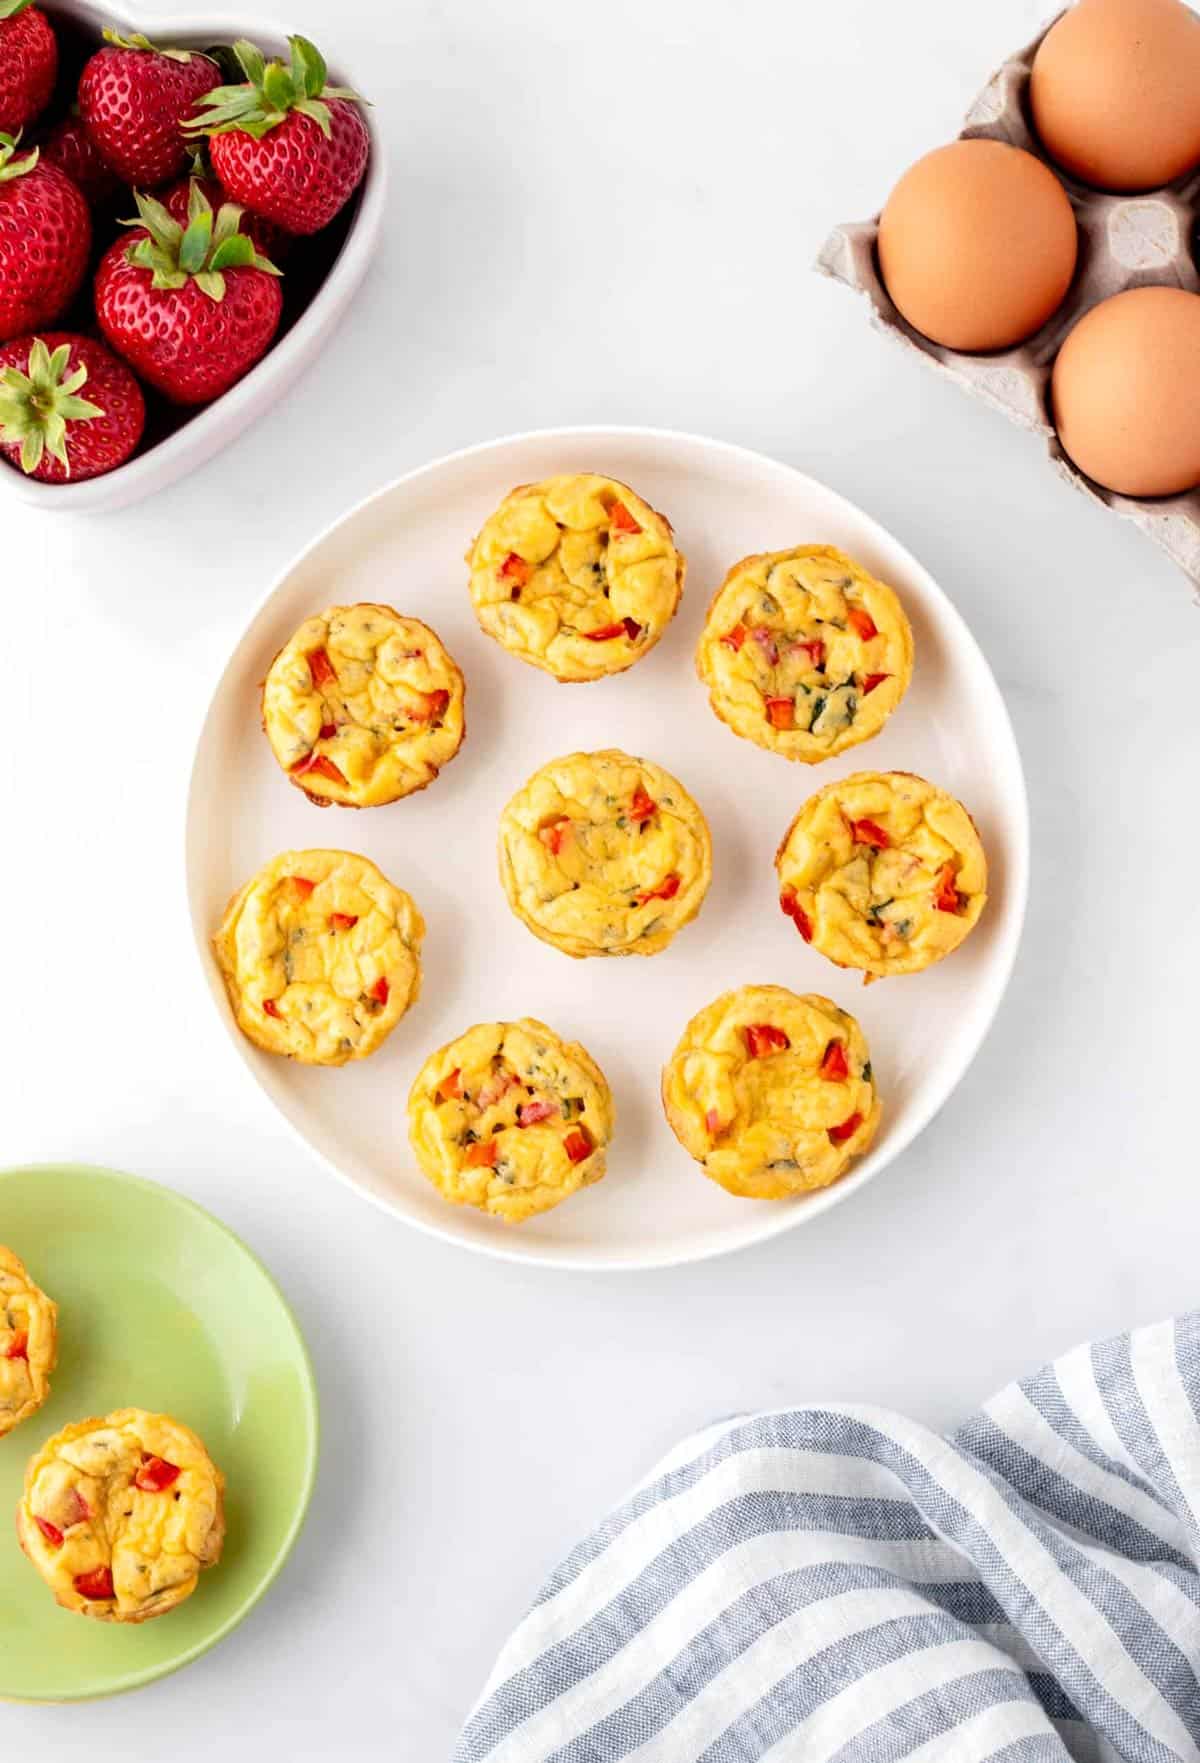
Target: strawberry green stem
<point x="270" y="93"/>
<point x="199" y="251"/>
<point x="35" y="407"/>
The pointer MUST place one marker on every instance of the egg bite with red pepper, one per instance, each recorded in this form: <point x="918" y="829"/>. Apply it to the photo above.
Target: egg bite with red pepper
<point x="804" y="653"/>
<point x="28" y="1342"/>
<point x="510" y="1119"/>
<point x="120" y="1514"/>
<point x="604" y="854"/>
<point x="321" y="956"/>
<point x="772" y="1092"/>
<point x="577" y="575"/>
<point x="884" y="872"/>
<point x="363" y="706"/>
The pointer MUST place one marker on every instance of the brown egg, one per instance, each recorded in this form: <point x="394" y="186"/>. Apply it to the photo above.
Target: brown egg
<point x="977" y="245"/>
<point x="1115" y="92"/>
<point x="1126" y="392"/>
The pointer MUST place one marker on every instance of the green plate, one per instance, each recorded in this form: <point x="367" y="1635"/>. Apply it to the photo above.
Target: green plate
<point x="159" y="1307"/>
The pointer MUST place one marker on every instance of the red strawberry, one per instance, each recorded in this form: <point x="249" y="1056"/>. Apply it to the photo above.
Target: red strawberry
<point x="268" y="239"/>
<point x="28" y="64"/>
<point x="133" y="98"/>
<point x="69" y="146"/>
<point x="46" y="427"/>
<point x="45" y="238"/>
<point x="191" y="309"/>
<point x="285" y="144"/>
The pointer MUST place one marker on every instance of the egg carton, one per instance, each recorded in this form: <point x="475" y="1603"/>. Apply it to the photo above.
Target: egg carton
<point x="1124" y="242"/>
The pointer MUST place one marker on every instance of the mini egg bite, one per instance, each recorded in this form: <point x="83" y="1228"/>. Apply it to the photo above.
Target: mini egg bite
<point x="28" y="1342"/>
<point x="604" y="854"/>
<point x="321" y="956"/>
<point x="883" y="872"/>
<point x="577" y="575"/>
<point x="363" y="706"/>
<point x="510" y="1119"/>
<point x="772" y="1092"/>
<point x="120" y="1514"/>
<point x="804" y="653"/>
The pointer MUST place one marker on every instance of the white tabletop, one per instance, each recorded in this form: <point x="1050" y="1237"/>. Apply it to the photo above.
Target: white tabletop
<point x="603" y="214"/>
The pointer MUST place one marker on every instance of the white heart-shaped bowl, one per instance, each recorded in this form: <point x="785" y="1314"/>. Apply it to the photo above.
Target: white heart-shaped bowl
<point x="213" y="426"/>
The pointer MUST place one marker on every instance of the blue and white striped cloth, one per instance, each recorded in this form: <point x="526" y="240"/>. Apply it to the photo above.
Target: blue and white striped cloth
<point x="840" y="1583"/>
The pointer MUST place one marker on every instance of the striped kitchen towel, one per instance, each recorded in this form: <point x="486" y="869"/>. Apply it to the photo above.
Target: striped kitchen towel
<point x="840" y="1583"/>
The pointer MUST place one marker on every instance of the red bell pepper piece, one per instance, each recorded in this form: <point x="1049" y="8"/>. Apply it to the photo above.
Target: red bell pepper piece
<point x="156" y="1474"/>
<point x="861" y="623"/>
<point x="98" y="1583"/>
<point x="625" y="627"/>
<point x="946" y="896"/>
<point x="343" y="920"/>
<point x="622" y="520"/>
<point x="302" y="885"/>
<point x="578" y="1144"/>
<point x="431" y="705"/>
<point x="515" y="569"/>
<point x="814" y="648"/>
<point x="321" y="667"/>
<point x="713" y="1122"/>
<point x="834" y="1068"/>
<point x="18" y="1347"/>
<point x="763" y="1038"/>
<point x="642" y="807"/>
<point x="555" y="834"/>
<point x="781" y="712"/>
<point x="272" y="1008"/>
<point x="666" y="890"/>
<point x="869" y="832"/>
<point x="51" y="1532"/>
<point x="795" y="911"/>
<point x="379" y="991"/>
<point x="736" y="637"/>
<point x="482" y="1154"/>
<point x="839" y="1134"/>
<point x="318" y="763"/>
<point x="871" y="680"/>
<point x="450" y="1087"/>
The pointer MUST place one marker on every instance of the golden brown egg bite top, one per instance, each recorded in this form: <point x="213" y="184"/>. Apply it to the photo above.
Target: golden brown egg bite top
<point x="120" y="1514"/>
<point x="772" y="1092"/>
<point x="511" y="1119"/>
<point x="805" y="653"/>
<point x="28" y="1342"/>
<point x="321" y="956"/>
<point x="363" y="705"/>
<point x="884" y="872"/>
<point x="577" y="575"/>
<point x="604" y="854"/>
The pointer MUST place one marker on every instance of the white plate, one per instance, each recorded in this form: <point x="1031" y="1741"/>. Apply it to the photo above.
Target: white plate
<point x="405" y="546"/>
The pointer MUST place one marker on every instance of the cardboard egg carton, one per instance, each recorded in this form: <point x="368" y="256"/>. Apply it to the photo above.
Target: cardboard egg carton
<point x="1124" y="242"/>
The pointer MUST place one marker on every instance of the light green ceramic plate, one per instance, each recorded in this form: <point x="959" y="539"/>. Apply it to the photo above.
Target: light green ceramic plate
<point x="159" y="1307"/>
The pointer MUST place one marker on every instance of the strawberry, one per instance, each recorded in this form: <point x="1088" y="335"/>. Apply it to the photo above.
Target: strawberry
<point x="191" y="309"/>
<point x="45" y="238"/>
<point x="285" y="144"/>
<point x="268" y="239"/>
<point x="69" y="146"/>
<point x="133" y="99"/>
<point x="46" y="427"/>
<point x="28" y="64"/>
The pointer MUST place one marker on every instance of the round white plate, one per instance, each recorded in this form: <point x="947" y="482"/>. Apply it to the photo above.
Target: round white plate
<point x="405" y="546"/>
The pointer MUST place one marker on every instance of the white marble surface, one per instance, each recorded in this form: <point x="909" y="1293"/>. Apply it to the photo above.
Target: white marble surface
<point x="603" y="215"/>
